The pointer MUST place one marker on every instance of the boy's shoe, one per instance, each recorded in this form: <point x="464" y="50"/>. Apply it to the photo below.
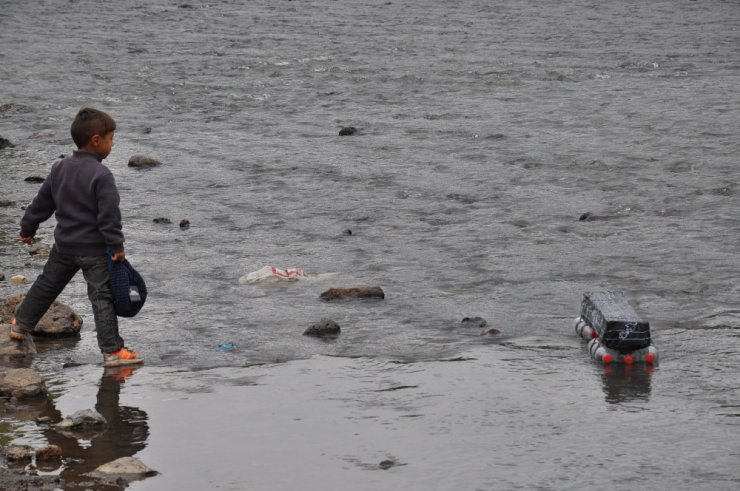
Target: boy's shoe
<point x="16" y="334"/>
<point x="120" y="358"/>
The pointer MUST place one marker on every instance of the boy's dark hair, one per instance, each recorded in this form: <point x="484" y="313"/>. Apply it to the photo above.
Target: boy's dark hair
<point x="89" y="122"/>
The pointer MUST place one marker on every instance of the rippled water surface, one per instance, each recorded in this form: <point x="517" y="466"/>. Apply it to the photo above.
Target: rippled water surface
<point x="485" y="130"/>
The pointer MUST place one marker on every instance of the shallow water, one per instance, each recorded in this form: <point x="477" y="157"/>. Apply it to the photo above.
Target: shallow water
<point x="485" y="130"/>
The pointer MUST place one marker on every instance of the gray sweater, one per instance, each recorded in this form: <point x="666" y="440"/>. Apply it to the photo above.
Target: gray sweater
<point x="82" y="194"/>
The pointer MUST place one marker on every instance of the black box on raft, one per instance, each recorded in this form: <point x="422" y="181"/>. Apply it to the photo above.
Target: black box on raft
<point x="614" y="321"/>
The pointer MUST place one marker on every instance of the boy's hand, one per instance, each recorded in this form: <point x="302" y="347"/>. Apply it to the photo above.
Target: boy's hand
<point x="26" y="240"/>
<point x="118" y="256"/>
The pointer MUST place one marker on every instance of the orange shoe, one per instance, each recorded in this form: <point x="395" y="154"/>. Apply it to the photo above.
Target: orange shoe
<point x="120" y="358"/>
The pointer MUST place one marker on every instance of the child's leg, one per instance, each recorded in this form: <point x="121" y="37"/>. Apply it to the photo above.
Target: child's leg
<point x="95" y="270"/>
<point x="58" y="271"/>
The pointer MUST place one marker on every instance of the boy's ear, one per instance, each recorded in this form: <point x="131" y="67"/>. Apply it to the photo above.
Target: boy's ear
<point x="95" y="140"/>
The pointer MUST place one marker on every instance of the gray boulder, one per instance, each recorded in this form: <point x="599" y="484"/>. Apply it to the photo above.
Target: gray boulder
<point x="59" y="320"/>
<point x="19" y="453"/>
<point x="125" y="467"/>
<point x="22" y="383"/>
<point x="83" y="420"/>
<point x="323" y="329"/>
<point x="143" y="162"/>
<point x="334" y="294"/>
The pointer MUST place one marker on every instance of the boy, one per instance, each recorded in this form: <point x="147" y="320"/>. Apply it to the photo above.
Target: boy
<point x="81" y="193"/>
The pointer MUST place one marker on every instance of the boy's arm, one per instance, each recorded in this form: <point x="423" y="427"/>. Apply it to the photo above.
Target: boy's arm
<point x="109" y="215"/>
<point x="40" y="209"/>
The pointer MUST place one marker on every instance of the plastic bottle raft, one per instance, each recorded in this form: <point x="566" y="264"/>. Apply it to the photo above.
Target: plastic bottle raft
<point x="614" y="331"/>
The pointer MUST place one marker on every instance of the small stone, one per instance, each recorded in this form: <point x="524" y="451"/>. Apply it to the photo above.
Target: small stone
<point x="40" y="250"/>
<point x="184" y="223"/>
<point x="4" y="203"/>
<point x="347" y="232"/>
<point x="142" y="161"/>
<point x="322" y="329"/>
<point x="18" y="279"/>
<point x="386" y="464"/>
<point x="2" y="276"/>
<point x="490" y="331"/>
<point x="347" y="131"/>
<point x="164" y="221"/>
<point x="34" y="179"/>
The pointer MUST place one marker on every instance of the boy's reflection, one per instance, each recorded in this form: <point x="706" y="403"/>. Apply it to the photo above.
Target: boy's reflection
<point x="125" y="435"/>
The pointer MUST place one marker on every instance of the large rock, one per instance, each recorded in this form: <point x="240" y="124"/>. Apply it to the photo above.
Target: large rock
<point x="333" y="294"/>
<point x="8" y="347"/>
<point x="59" y="320"/>
<point x="126" y="467"/>
<point x="325" y="328"/>
<point x="142" y="161"/>
<point x="22" y="383"/>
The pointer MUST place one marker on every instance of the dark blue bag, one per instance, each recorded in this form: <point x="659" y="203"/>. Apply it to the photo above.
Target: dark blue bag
<point x="129" y="289"/>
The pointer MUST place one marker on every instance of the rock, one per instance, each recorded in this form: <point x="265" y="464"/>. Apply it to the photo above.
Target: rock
<point x="164" y="221"/>
<point x="323" y="329"/>
<point x="352" y="292"/>
<point x="8" y="347"/>
<point x="49" y="453"/>
<point x="35" y="179"/>
<point x="184" y="223"/>
<point x="2" y="276"/>
<point x="18" y="279"/>
<point x="347" y="232"/>
<point x="59" y="320"/>
<point x="142" y="161"/>
<point x="84" y="419"/>
<point x="5" y="143"/>
<point x="347" y="131"/>
<point x="127" y="467"/>
<point x="22" y="383"/>
<point x="474" y="322"/>
<point x="19" y="453"/>
<point x="387" y="464"/>
<point x="5" y="203"/>
<point x="490" y="331"/>
<point x="39" y="250"/>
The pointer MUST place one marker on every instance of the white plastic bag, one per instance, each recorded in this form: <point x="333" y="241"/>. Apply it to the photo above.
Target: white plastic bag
<point x="270" y="274"/>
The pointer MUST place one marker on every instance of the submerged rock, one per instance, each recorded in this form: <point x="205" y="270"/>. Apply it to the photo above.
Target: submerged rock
<point x="347" y="131"/>
<point x="323" y="329"/>
<point x="163" y="221"/>
<point x="352" y="292"/>
<point x="142" y="161"/>
<point x="49" y="453"/>
<point x="184" y="223"/>
<point x="490" y="331"/>
<point x="59" y="320"/>
<point x="22" y="383"/>
<point x="35" y="179"/>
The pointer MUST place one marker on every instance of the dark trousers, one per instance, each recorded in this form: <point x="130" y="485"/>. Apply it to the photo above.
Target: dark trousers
<point x="58" y="271"/>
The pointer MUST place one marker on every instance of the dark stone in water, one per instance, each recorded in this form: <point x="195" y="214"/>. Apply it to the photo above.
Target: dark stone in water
<point x="5" y="143"/>
<point x="347" y="131"/>
<point x="322" y="329"/>
<point x="347" y="232"/>
<point x="184" y="223"/>
<point x="35" y="179"/>
<point x="353" y="292"/>
<point x="387" y="464"/>
<point x="590" y="217"/>
<point x="142" y="162"/>
<point x="165" y="221"/>
<point x="4" y="203"/>
<point x="474" y="322"/>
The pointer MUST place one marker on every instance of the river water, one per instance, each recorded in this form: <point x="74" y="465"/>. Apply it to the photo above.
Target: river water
<point x="485" y="130"/>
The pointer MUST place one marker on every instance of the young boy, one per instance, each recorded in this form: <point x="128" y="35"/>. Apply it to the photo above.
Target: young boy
<point x="81" y="192"/>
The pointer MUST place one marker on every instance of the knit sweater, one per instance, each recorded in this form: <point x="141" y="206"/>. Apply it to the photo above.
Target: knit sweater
<point x="81" y="193"/>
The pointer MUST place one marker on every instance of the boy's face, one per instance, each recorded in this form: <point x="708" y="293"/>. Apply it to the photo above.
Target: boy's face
<point x="102" y="145"/>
